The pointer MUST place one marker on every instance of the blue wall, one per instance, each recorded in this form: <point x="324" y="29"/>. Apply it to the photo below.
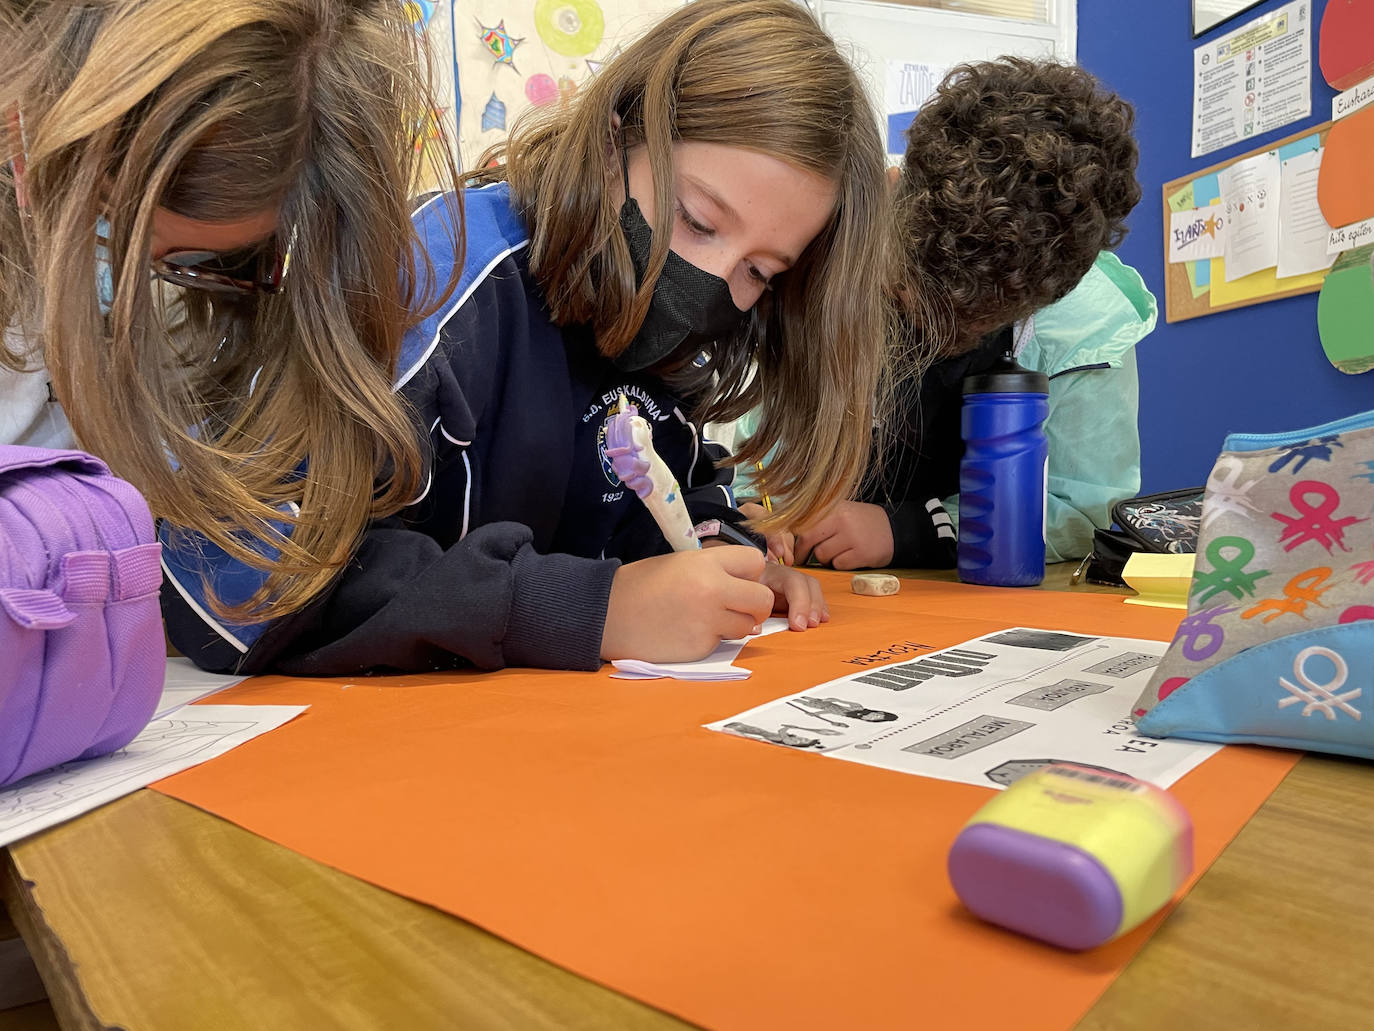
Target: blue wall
<point x="1257" y="369"/>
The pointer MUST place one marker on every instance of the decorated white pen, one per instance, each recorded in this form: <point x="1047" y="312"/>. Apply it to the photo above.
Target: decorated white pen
<point x="630" y="447"/>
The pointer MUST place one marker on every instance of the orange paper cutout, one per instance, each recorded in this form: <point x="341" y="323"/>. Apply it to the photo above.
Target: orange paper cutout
<point x="741" y="885"/>
<point x="1347" y="164"/>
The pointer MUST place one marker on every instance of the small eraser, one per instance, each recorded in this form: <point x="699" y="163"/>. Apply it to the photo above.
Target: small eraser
<point x="875" y="585"/>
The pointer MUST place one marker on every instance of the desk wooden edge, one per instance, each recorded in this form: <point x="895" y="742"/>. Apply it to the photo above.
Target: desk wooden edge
<point x="54" y="965"/>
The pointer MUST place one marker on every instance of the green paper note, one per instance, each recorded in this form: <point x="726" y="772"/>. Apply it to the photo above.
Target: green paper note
<point x="1345" y="312"/>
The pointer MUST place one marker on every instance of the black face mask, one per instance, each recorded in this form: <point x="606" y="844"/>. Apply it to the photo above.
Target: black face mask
<point x="690" y="307"/>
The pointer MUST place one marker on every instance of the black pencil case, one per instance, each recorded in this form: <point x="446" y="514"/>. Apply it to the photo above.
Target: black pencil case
<point x="1165" y="523"/>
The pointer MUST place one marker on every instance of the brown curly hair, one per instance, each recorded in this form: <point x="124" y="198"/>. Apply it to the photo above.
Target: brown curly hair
<point x="1017" y="174"/>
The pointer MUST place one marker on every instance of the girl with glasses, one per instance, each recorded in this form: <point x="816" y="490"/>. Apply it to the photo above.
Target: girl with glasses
<point x="207" y="263"/>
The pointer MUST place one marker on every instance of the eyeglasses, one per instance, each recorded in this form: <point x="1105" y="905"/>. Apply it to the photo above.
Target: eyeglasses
<point x="246" y="271"/>
<point x="253" y="270"/>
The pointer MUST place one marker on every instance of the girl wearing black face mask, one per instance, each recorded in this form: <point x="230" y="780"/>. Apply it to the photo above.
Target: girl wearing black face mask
<point x="715" y="189"/>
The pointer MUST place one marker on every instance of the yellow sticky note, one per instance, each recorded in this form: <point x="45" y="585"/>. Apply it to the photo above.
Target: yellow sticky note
<point x="1160" y="580"/>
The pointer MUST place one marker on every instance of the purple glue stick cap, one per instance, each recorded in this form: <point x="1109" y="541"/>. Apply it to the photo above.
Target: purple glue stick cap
<point x="1035" y="886"/>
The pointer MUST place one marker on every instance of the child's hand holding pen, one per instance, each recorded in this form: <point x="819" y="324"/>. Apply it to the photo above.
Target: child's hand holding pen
<point x="780" y="542"/>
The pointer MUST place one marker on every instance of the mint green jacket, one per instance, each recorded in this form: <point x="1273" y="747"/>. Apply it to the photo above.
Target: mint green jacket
<point x="1086" y="344"/>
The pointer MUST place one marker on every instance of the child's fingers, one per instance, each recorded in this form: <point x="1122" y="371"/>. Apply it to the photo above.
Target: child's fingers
<point x="804" y="599"/>
<point x="809" y="541"/>
<point x="833" y="546"/>
<point x="749" y="598"/>
<point x="848" y="559"/>
<point x="739" y="561"/>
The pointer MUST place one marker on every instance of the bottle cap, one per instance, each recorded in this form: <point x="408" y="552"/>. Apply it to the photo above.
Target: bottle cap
<point x="1007" y="376"/>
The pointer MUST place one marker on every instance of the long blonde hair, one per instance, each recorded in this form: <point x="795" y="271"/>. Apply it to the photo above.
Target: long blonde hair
<point x="277" y="410"/>
<point x="760" y="75"/>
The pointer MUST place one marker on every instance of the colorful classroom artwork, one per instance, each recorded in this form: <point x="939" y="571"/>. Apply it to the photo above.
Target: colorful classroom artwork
<point x="1253" y="80"/>
<point x="500" y="44"/>
<point x="908" y="85"/>
<point x="985" y="712"/>
<point x="434" y="22"/>
<point x="1278" y="240"/>
<point x="1345" y="312"/>
<point x="1179" y="201"/>
<point x="1196" y="233"/>
<point x="1346" y="49"/>
<point x="419" y="12"/>
<point x="517" y="55"/>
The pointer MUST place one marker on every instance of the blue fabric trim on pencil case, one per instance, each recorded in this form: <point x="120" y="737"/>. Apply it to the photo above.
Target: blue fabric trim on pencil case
<point x="1264" y="441"/>
<point x="1237" y="700"/>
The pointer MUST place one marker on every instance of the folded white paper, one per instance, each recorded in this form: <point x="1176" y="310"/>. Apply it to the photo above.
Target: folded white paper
<point x="719" y="665"/>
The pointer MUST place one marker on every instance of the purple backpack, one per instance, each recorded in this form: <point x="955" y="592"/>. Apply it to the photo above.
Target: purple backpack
<point x="82" y="654"/>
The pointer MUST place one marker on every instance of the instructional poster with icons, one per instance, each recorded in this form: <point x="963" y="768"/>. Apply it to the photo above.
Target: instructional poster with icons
<point x="985" y="712"/>
<point x="1253" y="80"/>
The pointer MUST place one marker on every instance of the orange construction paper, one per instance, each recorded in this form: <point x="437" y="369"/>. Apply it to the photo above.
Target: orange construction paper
<point x="737" y="884"/>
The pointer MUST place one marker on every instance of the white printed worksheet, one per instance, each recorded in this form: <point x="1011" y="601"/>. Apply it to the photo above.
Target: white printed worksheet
<point x="985" y="712"/>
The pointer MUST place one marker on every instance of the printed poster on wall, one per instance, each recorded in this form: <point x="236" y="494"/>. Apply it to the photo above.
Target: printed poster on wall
<point x="514" y="55"/>
<point x="908" y="85"/>
<point x="1253" y="80"/>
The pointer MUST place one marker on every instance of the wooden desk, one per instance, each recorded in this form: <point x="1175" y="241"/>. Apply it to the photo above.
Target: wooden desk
<point x="150" y="914"/>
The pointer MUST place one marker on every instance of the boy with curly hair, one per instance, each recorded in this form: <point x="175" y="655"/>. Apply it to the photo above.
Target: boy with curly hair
<point x="1016" y="183"/>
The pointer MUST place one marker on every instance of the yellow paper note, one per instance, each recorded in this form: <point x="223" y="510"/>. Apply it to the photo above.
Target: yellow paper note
<point x="1256" y="285"/>
<point x="1160" y="580"/>
<point x="1182" y="200"/>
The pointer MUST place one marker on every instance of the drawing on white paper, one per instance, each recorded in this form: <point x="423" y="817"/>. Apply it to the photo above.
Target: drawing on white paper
<point x="820" y="707"/>
<point x="782" y="736"/>
<point x="184" y="684"/>
<point x="500" y="44"/>
<point x="973" y="712"/>
<point x="166" y="746"/>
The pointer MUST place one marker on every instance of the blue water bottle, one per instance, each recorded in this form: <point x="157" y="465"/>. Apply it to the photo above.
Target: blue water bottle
<point x="1002" y="479"/>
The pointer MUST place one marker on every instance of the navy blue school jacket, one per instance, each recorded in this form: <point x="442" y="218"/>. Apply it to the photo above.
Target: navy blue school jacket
<point x="505" y="558"/>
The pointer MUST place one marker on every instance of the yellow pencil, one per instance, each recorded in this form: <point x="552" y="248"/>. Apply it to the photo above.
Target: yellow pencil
<point x="767" y="501"/>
